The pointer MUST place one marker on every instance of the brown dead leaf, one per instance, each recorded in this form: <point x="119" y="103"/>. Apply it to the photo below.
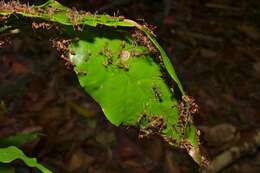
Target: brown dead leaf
<point x="250" y="31"/>
<point x="81" y="109"/>
<point x="49" y="115"/>
<point x="257" y="69"/>
<point x="79" y="159"/>
<point x="16" y="67"/>
<point x="42" y="102"/>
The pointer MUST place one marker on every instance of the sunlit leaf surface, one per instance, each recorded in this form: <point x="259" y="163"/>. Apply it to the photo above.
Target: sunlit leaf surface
<point x="124" y="69"/>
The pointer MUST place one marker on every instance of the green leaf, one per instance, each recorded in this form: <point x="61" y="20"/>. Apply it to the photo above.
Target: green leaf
<point x="126" y="80"/>
<point x="9" y="154"/>
<point x="55" y="12"/>
<point x="124" y="76"/>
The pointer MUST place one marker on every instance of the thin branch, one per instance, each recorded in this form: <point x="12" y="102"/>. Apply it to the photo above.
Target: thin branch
<point x="234" y="153"/>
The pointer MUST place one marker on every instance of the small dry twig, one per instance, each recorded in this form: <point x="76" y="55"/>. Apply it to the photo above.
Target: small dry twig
<point x="234" y="153"/>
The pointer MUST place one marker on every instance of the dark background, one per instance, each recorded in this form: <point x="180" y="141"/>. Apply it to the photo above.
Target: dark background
<point x="215" y="48"/>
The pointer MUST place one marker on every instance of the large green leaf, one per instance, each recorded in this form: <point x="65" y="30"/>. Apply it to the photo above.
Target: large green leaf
<point x="126" y="75"/>
<point x="12" y="153"/>
<point x="126" y="80"/>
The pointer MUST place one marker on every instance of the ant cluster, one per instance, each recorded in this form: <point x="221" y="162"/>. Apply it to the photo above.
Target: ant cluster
<point x="62" y="46"/>
<point x="123" y="56"/>
<point x="15" y="6"/>
<point x="140" y="37"/>
<point x="122" y="61"/>
<point x="4" y="18"/>
<point x="155" y="126"/>
<point x="187" y="109"/>
<point x="76" y="17"/>
<point x="42" y="25"/>
<point x="157" y="93"/>
<point x="108" y="55"/>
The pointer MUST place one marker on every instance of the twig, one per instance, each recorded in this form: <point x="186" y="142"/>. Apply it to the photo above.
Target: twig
<point x="222" y="7"/>
<point x="233" y="154"/>
<point x="200" y="36"/>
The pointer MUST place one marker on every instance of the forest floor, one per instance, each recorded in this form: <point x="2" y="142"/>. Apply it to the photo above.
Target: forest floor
<point x="215" y="48"/>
